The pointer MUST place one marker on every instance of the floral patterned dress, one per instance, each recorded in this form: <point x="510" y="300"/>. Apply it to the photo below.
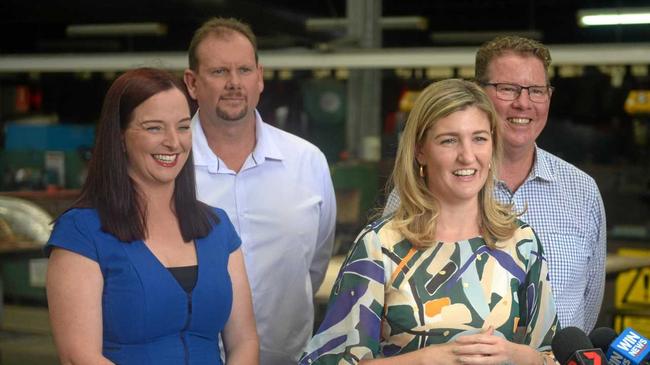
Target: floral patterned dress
<point x="391" y="298"/>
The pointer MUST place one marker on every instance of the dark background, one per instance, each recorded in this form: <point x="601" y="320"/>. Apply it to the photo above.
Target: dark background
<point x="28" y="26"/>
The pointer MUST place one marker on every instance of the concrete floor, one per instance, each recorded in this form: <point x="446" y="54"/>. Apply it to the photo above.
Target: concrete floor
<point x="25" y="337"/>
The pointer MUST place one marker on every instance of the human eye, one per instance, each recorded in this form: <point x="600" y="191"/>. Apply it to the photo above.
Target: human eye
<point x="448" y="141"/>
<point x="538" y="90"/>
<point x="509" y="88"/>
<point x="151" y="127"/>
<point x="245" y="70"/>
<point x="219" y="71"/>
<point x="481" y="139"/>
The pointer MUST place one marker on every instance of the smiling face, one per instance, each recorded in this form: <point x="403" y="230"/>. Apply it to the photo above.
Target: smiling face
<point x="158" y="139"/>
<point x="456" y="152"/>
<point x="228" y="82"/>
<point x="521" y="120"/>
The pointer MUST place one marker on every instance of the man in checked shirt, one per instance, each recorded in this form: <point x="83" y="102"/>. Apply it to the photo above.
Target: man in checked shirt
<point x="561" y="202"/>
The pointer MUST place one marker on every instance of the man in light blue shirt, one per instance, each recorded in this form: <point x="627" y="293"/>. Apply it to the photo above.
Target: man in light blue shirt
<point x="275" y="187"/>
<point x="560" y="202"/>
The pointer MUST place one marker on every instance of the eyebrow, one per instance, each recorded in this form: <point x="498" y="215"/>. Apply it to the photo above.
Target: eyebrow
<point x="454" y="134"/>
<point x="161" y="121"/>
<point x="516" y="84"/>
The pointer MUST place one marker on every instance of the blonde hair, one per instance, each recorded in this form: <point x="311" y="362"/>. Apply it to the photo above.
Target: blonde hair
<point x="418" y="211"/>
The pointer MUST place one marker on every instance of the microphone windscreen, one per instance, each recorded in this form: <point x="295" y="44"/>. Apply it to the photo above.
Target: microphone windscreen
<point x="602" y="337"/>
<point x="567" y="341"/>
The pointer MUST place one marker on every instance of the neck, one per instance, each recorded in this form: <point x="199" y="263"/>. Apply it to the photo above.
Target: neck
<point x="157" y="198"/>
<point x="458" y="221"/>
<point x="516" y="166"/>
<point x="232" y="142"/>
<point x="162" y="222"/>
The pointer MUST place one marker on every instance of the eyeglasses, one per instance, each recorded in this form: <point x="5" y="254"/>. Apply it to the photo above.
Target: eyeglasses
<point x="510" y="92"/>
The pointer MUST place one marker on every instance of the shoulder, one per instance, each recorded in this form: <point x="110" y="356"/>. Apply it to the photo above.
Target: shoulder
<point x="220" y="213"/>
<point x="77" y="230"/>
<point x="223" y="222"/>
<point x="525" y="238"/>
<point x="383" y="233"/>
<point x="290" y="144"/>
<point x="565" y="171"/>
<point x="78" y="216"/>
<point x="523" y="228"/>
<point x="222" y="218"/>
<point x="223" y="230"/>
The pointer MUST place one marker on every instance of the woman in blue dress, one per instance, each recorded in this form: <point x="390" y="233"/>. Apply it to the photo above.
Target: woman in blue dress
<point x="140" y="272"/>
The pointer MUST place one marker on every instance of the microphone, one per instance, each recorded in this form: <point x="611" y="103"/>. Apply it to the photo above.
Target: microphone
<point x="628" y="348"/>
<point x="571" y="346"/>
<point x="602" y="337"/>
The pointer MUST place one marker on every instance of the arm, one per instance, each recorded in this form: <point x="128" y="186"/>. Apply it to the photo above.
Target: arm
<point x="596" y="273"/>
<point x="326" y="226"/>
<point x="351" y="328"/>
<point x="75" y="307"/>
<point x="540" y="314"/>
<point x="240" y="336"/>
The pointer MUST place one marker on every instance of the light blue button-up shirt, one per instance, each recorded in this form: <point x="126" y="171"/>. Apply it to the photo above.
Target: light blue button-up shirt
<point x="283" y="207"/>
<point x="564" y="207"/>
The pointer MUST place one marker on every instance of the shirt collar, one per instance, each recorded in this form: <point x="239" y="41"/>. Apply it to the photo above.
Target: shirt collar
<point x="265" y="146"/>
<point x="541" y="166"/>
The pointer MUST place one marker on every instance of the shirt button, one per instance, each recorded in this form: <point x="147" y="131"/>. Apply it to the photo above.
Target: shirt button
<point x="352" y="292"/>
<point x="446" y="333"/>
<point x="309" y="361"/>
<point x="479" y="257"/>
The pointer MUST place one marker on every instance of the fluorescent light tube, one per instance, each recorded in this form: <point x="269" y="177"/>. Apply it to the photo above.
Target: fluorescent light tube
<point x="615" y="16"/>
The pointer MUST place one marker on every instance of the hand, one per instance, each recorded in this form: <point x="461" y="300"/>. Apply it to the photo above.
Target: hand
<point x="444" y="353"/>
<point x="483" y="348"/>
<point x="469" y="350"/>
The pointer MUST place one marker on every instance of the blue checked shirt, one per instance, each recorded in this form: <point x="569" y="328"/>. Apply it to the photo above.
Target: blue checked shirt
<point x="564" y="207"/>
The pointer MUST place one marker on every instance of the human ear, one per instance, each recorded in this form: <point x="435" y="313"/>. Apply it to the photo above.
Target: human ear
<point x="419" y="155"/>
<point x="190" y="81"/>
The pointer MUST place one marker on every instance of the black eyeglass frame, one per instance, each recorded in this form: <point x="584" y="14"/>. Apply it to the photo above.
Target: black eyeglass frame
<point x="520" y="88"/>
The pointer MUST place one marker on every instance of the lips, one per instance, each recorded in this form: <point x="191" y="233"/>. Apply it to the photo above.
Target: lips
<point x="465" y="172"/>
<point x="519" y="121"/>
<point x="233" y="97"/>
<point x="166" y="160"/>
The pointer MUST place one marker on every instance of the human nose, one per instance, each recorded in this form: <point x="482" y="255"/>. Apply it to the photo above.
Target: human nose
<point x="466" y="153"/>
<point x="523" y="100"/>
<point x="172" y="139"/>
<point x="234" y="80"/>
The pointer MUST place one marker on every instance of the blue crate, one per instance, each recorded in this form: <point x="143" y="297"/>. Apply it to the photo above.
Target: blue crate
<point x="58" y="137"/>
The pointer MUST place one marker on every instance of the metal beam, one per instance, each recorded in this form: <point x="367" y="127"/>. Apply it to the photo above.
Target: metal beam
<point x="388" y="58"/>
<point x="385" y="23"/>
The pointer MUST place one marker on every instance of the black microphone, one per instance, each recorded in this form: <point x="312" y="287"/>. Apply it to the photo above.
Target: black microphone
<point x="571" y="346"/>
<point x="602" y="337"/>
